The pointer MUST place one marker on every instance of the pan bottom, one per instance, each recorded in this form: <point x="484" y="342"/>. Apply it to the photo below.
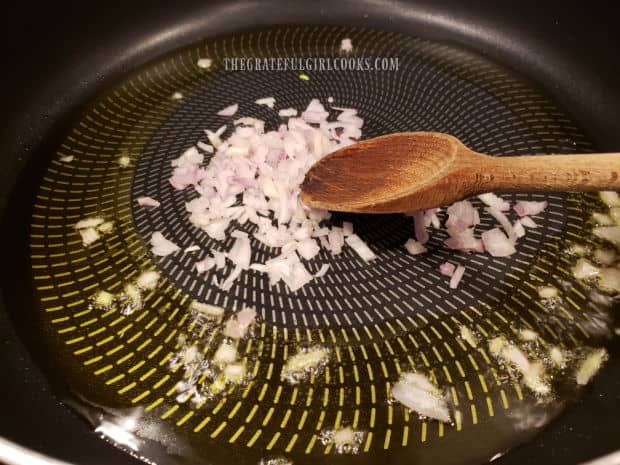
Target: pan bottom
<point x="378" y="320"/>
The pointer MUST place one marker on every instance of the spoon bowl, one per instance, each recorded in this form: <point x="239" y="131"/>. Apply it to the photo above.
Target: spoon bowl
<point x="419" y="170"/>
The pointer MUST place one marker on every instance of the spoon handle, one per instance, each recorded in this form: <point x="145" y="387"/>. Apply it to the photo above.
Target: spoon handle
<point x="576" y="173"/>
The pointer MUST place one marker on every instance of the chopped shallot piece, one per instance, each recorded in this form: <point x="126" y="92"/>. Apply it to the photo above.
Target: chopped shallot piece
<point x="89" y="236"/>
<point x="492" y="200"/>
<point x="414" y="247"/>
<point x="528" y="222"/>
<point x="457" y="276"/>
<point x="91" y="222"/>
<point x="497" y="244"/>
<point x="529" y="208"/>
<point x="416" y="392"/>
<point x="204" y="63"/>
<point x="287" y="112"/>
<point x="238" y="325"/>
<point x="228" y="111"/>
<point x="147" y="202"/>
<point x="360" y="247"/>
<point x="162" y="246"/>
<point x="447" y="269"/>
<point x="267" y="101"/>
<point x="346" y="45"/>
<point x="419" y="227"/>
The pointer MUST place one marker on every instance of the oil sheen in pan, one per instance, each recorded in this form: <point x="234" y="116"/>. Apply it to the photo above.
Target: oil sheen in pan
<point x="378" y="320"/>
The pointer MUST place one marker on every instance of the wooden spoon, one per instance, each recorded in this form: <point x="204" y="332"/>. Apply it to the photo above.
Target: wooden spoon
<point x="420" y="170"/>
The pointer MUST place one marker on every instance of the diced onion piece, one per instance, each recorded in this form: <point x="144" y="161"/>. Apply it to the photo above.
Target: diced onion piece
<point x="218" y="384"/>
<point x="287" y="112"/>
<point x="602" y="220"/>
<point x="191" y="248"/>
<point x="225" y="354"/>
<point x="604" y="256"/>
<point x="492" y="200"/>
<point x="148" y="280"/>
<point x="324" y="268"/>
<point x="505" y="223"/>
<point x="89" y="236"/>
<point x="131" y="299"/>
<point x="227" y="284"/>
<point x="461" y="215"/>
<point x="431" y="218"/>
<point x="103" y="299"/>
<point x="610" y="198"/>
<point x="528" y="222"/>
<point x="609" y="280"/>
<point x="533" y="378"/>
<point x="67" y="158"/>
<point x="106" y="227"/>
<point x="533" y="372"/>
<point x="241" y="251"/>
<point x="609" y="233"/>
<point x="583" y="269"/>
<point x="189" y="354"/>
<point x="414" y="247"/>
<point x="237" y="327"/>
<point x="91" y="222"/>
<point x="229" y="110"/>
<point x="468" y="336"/>
<point x="346" y="440"/>
<point x="360" y="247"/>
<point x="518" y="228"/>
<point x="176" y="96"/>
<point x="147" y="202"/>
<point x="234" y="373"/>
<point x="212" y="311"/>
<point x="528" y="335"/>
<point x="419" y="227"/>
<point x="304" y="362"/>
<point x="529" y="208"/>
<point x="347" y="228"/>
<point x="578" y="249"/>
<point x="447" y="269"/>
<point x="497" y="244"/>
<point x="496" y="344"/>
<point x="547" y="292"/>
<point x="285" y="267"/>
<point x="556" y="355"/>
<point x="457" y="276"/>
<point x="307" y="248"/>
<point x="464" y="241"/>
<point x="190" y="157"/>
<point x="346" y="45"/>
<point x="162" y="246"/>
<point x="124" y="161"/>
<point x="315" y="112"/>
<point x="614" y="213"/>
<point x="267" y="101"/>
<point x="417" y="393"/>
<point x="205" y="147"/>
<point x="590" y="366"/>
<point x="204" y="63"/>
<point x="335" y="240"/>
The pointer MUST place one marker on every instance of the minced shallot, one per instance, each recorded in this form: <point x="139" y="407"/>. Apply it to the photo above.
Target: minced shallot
<point x="457" y="276"/>
<point x="147" y="202"/>
<point x="162" y="246"/>
<point x="529" y="208"/>
<point x="253" y="177"/>
<point x="228" y="111"/>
